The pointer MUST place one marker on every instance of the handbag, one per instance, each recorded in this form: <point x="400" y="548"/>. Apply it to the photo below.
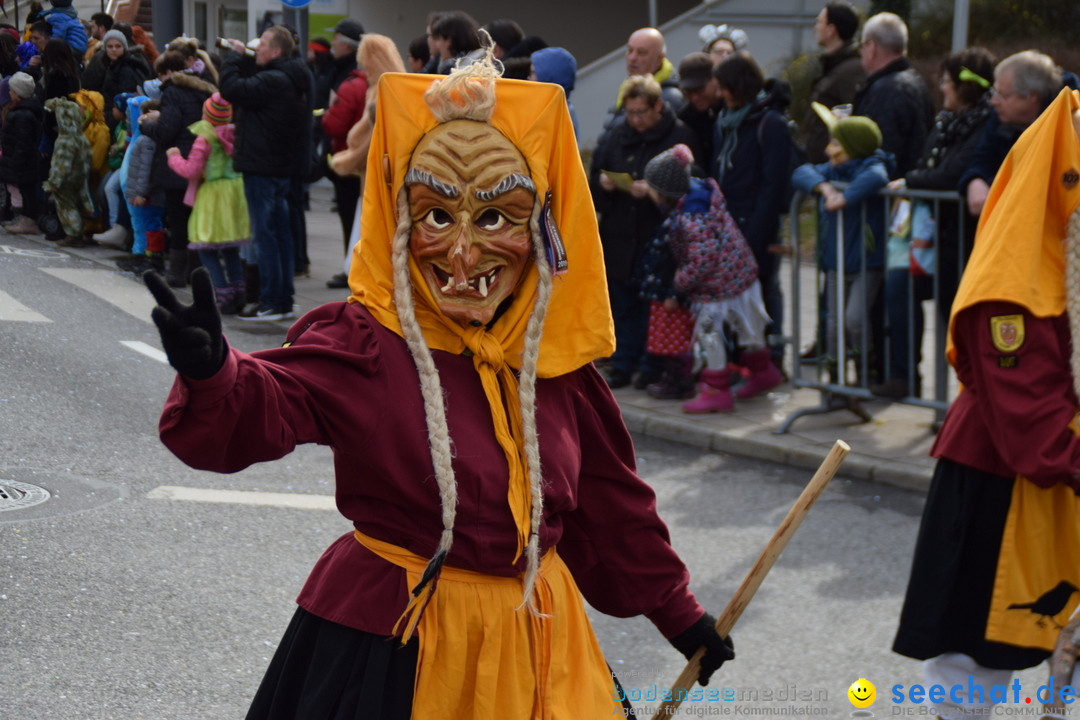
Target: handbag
<point x="912" y="242"/>
<point x="923" y="241"/>
<point x="670" y="331"/>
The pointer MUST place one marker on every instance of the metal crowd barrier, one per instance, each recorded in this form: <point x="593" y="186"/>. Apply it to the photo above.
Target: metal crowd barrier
<point x="845" y="386"/>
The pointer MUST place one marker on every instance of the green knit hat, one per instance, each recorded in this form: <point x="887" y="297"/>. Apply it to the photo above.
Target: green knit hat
<point x="858" y="135"/>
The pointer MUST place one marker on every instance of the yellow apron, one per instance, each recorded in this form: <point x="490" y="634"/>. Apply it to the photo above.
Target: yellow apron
<point x="1038" y="572"/>
<point x="483" y="657"/>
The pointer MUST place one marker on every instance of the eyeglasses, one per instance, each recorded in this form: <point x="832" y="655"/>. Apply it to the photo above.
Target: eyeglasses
<point x="1003" y="94"/>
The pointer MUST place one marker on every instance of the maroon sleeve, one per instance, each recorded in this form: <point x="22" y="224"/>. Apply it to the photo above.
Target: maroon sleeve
<point x="614" y="543"/>
<point x="1023" y="399"/>
<point x="346" y="110"/>
<point x="261" y="406"/>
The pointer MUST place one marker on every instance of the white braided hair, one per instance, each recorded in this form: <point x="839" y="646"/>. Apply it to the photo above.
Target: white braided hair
<point x="445" y="99"/>
<point x="1072" y="292"/>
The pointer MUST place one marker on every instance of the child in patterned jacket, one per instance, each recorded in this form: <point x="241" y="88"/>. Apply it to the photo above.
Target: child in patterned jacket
<point x="716" y="272"/>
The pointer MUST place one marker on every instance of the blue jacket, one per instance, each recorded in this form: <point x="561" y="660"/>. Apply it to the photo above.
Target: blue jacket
<point x="865" y="177"/>
<point x="66" y="26"/>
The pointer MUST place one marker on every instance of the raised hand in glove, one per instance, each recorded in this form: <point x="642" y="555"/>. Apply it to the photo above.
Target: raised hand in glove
<point x="190" y="334"/>
<point x="703" y="633"/>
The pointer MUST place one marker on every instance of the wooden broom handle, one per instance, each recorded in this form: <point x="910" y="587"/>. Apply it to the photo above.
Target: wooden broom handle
<point x="757" y="573"/>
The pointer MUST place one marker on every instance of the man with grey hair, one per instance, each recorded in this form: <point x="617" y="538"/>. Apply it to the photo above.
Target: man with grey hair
<point x="894" y="95"/>
<point x="1024" y="85"/>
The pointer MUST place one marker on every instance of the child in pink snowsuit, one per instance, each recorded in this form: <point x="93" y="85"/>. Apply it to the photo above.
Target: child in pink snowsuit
<point x="219" y="224"/>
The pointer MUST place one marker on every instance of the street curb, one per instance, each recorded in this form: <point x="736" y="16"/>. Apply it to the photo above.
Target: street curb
<point x="855" y="466"/>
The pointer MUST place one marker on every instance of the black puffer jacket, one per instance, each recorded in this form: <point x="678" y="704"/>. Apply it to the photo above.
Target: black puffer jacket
<point x="121" y="76"/>
<point x="628" y="224"/>
<point x="272" y="110"/>
<point x="896" y="98"/>
<point x="19" y="141"/>
<point x="182" y="98"/>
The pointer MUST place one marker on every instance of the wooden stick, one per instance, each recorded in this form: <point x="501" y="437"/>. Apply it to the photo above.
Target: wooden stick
<point x="753" y="579"/>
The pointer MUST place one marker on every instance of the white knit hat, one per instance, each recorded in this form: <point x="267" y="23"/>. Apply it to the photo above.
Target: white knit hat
<point x="22" y="85"/>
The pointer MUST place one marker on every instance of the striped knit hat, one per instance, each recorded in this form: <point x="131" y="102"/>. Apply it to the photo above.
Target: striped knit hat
<point x="217" y="110"/>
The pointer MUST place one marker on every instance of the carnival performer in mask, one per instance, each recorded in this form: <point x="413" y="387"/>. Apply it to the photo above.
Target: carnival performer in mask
<point x="478" y="453"/>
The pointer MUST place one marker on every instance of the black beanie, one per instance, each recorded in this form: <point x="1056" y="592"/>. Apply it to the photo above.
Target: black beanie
<point x="669" y="172"/>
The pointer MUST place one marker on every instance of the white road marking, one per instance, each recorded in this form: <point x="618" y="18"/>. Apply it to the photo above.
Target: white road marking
<point x="298" y="501"/>
<point x="148" y="350"/>
<point x="12" y="309"/>
<point x="132" y="298"/>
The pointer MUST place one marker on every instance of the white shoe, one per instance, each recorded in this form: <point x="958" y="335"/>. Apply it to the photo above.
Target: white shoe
<point x="114" y="236"/>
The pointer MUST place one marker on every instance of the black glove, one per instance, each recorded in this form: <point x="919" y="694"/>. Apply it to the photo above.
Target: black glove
<point x="703" y="633"/>
<point x="190" y="334"/>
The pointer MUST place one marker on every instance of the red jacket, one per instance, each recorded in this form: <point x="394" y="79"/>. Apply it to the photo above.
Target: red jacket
<point x="346" y="110"/>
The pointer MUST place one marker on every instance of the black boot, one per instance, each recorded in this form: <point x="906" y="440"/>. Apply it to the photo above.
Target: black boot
<point x="176" y="274"/>
<point x="678" y="380"/>
<point x="251" y="283"/>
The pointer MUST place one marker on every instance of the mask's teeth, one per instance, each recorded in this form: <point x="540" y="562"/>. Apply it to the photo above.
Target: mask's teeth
<point x="449" y="285"/>
<point x="483" y="286"/>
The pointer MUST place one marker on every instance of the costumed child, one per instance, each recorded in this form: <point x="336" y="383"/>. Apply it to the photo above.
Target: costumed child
<point x="218" y="225"/>
<point x="117" y="234"/>
<point x="69" y="172"/>
<point x="855" y="158"/>
<point x="996" y="564"/>
<point x="19" y="140"/>
<point x="478" y="453"/>
<point x="145" y="201"/>
<point x="716" y="271"/>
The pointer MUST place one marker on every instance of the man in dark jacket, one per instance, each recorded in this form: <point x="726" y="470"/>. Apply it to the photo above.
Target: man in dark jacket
<point x="894" y="94"/>
<point x="271" y="97"/>
<point x="1025" y="83"/>
<point x="628" y="218"/>
<point x="703" y="102"/>
<point x="841" y="72"/>
<point x="349" y="85"/>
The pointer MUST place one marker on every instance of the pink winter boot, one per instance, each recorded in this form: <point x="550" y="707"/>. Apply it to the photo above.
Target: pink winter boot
<point x="763" y="374"/>
<point x="714" y="393"/>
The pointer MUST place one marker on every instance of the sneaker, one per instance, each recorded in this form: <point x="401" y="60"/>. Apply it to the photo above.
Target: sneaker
<point x="263" y="313"/>
<point x="114" y="237"/>
<point x="338" y="282"/>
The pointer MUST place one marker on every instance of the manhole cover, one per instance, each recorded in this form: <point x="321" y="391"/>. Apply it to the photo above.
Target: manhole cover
<point x="17" y="495"/>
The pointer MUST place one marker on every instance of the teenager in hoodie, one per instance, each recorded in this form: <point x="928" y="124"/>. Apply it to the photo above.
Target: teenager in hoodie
<point x="557" y="65"/>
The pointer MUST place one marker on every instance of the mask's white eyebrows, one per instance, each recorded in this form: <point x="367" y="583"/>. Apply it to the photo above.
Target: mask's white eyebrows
<point x="422" y="177"/>
<point x="511" y="181"/>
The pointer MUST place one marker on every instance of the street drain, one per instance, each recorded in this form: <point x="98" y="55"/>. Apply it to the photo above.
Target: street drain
<point x="17" y="495"/>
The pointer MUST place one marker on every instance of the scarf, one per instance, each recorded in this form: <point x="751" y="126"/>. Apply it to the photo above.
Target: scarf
<point x="661" y="76"/>
<point x="729" y="122"/>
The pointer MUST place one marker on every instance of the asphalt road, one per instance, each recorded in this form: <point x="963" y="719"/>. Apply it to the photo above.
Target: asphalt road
<point x="118" y="604"/>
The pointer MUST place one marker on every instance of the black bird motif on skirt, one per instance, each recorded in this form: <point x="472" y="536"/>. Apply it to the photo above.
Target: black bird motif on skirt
<point x="1049" y="604"/>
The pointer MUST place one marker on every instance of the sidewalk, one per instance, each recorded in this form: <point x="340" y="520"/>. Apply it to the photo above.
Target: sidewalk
<point x="892" y="448"/>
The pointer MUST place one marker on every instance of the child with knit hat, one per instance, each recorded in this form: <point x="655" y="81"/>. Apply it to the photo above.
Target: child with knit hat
<point x="715" y="271"/>
<point x="855" y="158"/>
<point x="20" y="136"/>
<point x="218" y="224"/>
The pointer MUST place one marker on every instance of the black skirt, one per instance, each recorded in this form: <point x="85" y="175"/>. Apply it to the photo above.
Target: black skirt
<point x="326" y="671"/>
<point x="952" y="574"/>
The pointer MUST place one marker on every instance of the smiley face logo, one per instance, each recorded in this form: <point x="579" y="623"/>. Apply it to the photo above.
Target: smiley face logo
<point x="862" y="693"/>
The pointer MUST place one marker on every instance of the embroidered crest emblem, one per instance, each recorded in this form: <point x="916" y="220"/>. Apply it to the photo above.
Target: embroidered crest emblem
<point x="1007" y="332"/>
<point x="1070" y="179"/>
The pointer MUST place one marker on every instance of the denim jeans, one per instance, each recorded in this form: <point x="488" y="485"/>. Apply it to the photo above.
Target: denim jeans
<point x="268" y="208"/>
<point x="213" y="260"/>
<point x="631" y="317"/>
<point x="905" y="316"/>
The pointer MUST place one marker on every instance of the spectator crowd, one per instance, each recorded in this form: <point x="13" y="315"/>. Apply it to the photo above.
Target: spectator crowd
<point x="188" y="156"/>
